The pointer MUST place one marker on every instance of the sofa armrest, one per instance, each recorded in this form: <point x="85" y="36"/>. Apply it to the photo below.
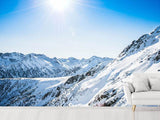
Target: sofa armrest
<point x="128" y="92"/>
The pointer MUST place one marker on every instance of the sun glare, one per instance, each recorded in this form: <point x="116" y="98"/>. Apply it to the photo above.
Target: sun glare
<point x="60" y="5"/>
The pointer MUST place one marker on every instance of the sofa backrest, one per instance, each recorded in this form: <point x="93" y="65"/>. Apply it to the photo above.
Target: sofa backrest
<point x="146" y="81"/>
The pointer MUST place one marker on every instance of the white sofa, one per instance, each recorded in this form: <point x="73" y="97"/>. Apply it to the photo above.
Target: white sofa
<point x="143" y="89"/>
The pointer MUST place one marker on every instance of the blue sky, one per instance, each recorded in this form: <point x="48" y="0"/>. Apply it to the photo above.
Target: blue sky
<point x="85" y="28"/>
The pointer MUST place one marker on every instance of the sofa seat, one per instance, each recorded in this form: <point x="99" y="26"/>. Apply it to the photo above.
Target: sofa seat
<point x="146" y="98"/>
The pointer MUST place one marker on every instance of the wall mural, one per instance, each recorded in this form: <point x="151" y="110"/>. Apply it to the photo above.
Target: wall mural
<point x="75" y="52"/>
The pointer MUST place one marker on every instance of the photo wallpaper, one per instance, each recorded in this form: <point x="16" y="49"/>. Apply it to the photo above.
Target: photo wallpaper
<point x="75" y="52"/>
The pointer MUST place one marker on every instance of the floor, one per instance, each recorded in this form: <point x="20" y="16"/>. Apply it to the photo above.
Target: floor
<point x="79" y="113"/>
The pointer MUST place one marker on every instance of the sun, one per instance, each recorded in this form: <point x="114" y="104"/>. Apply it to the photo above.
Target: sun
<point x="60" y="5"/>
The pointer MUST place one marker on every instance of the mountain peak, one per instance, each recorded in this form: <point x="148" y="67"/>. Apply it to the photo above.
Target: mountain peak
<point x="140" y="44"/>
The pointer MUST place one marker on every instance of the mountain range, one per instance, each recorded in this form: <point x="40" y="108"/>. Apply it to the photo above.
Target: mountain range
<point x="98" y="85"/>
<point x="16" y="65"/>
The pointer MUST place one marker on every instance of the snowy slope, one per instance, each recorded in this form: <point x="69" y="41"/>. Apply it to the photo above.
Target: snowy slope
<point x="27" y="91"/>
<point x="99" y="86"/>
<point x="15" y="65"/>
<point x="41" y="91"/>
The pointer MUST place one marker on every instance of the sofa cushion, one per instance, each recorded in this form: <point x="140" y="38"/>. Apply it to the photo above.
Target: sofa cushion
<point x="150" y="95"/>
<point x="154" y="83"/>
<point x="140" y="82"/>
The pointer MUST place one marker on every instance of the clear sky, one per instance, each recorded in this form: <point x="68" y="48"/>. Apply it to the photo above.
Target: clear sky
<point x="77" y="28"/>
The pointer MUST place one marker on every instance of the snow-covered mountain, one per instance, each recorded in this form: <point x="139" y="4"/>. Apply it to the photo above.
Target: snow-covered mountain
<point x="15" y="65"/>
<point x="99" y="86"/>
<point x="142" y="55"/>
